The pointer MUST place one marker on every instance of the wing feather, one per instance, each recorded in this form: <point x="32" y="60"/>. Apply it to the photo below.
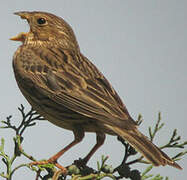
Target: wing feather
<point x="83" y="90"/>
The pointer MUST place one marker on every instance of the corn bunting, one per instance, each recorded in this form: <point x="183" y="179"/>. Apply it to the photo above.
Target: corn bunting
<point x="62" y="85"/>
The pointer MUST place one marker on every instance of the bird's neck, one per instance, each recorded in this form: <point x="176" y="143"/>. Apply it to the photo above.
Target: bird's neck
<point x="50" y="42"/>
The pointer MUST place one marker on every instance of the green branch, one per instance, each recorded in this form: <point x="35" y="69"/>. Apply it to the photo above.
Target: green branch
<point x="76" y="171"/>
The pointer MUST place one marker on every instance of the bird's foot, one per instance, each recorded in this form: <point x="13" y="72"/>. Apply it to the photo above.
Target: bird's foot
<point x="50" y="161"/>
<point x="80" y="162"/>
<point x="83" y="168"/>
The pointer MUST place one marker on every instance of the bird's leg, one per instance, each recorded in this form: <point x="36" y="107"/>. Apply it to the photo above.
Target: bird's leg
<point x="78" y="135"/>
<point x="100" y="138"/>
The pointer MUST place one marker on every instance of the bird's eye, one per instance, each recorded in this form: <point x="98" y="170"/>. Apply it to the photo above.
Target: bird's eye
<point x="41" y="21"/>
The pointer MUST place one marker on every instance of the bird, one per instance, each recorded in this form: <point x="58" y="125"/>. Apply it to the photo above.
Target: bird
<point x="68" y="90"/>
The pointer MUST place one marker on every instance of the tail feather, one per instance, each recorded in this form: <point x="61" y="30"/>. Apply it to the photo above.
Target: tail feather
<point x="142" y="144"/>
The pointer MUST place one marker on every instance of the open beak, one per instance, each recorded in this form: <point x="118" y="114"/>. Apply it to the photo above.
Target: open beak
<point x="21" y="36"/>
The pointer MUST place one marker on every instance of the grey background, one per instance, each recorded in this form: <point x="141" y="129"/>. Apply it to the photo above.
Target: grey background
<point x="140" y="46"/>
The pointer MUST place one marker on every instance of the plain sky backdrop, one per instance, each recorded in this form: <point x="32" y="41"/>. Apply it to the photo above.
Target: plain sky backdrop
<point x="140" y="46"/>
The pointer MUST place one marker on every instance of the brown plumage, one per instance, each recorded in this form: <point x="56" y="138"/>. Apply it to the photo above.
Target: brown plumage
<point x="68" y="90"/>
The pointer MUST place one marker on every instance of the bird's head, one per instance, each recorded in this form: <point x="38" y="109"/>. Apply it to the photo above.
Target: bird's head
<point x="46" y="28"/>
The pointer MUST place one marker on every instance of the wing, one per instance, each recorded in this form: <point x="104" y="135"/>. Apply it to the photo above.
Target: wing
<point x="71" y="80"/>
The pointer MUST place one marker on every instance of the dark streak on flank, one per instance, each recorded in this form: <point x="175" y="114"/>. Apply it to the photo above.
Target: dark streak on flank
<point x="64" y="56"/>
<point x="45" y="69"/>
<point x="39" y="68"/>
<point x="33" y="68"/>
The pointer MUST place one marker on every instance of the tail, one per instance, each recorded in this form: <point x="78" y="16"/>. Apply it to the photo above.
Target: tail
<point x="142" y="144"/>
